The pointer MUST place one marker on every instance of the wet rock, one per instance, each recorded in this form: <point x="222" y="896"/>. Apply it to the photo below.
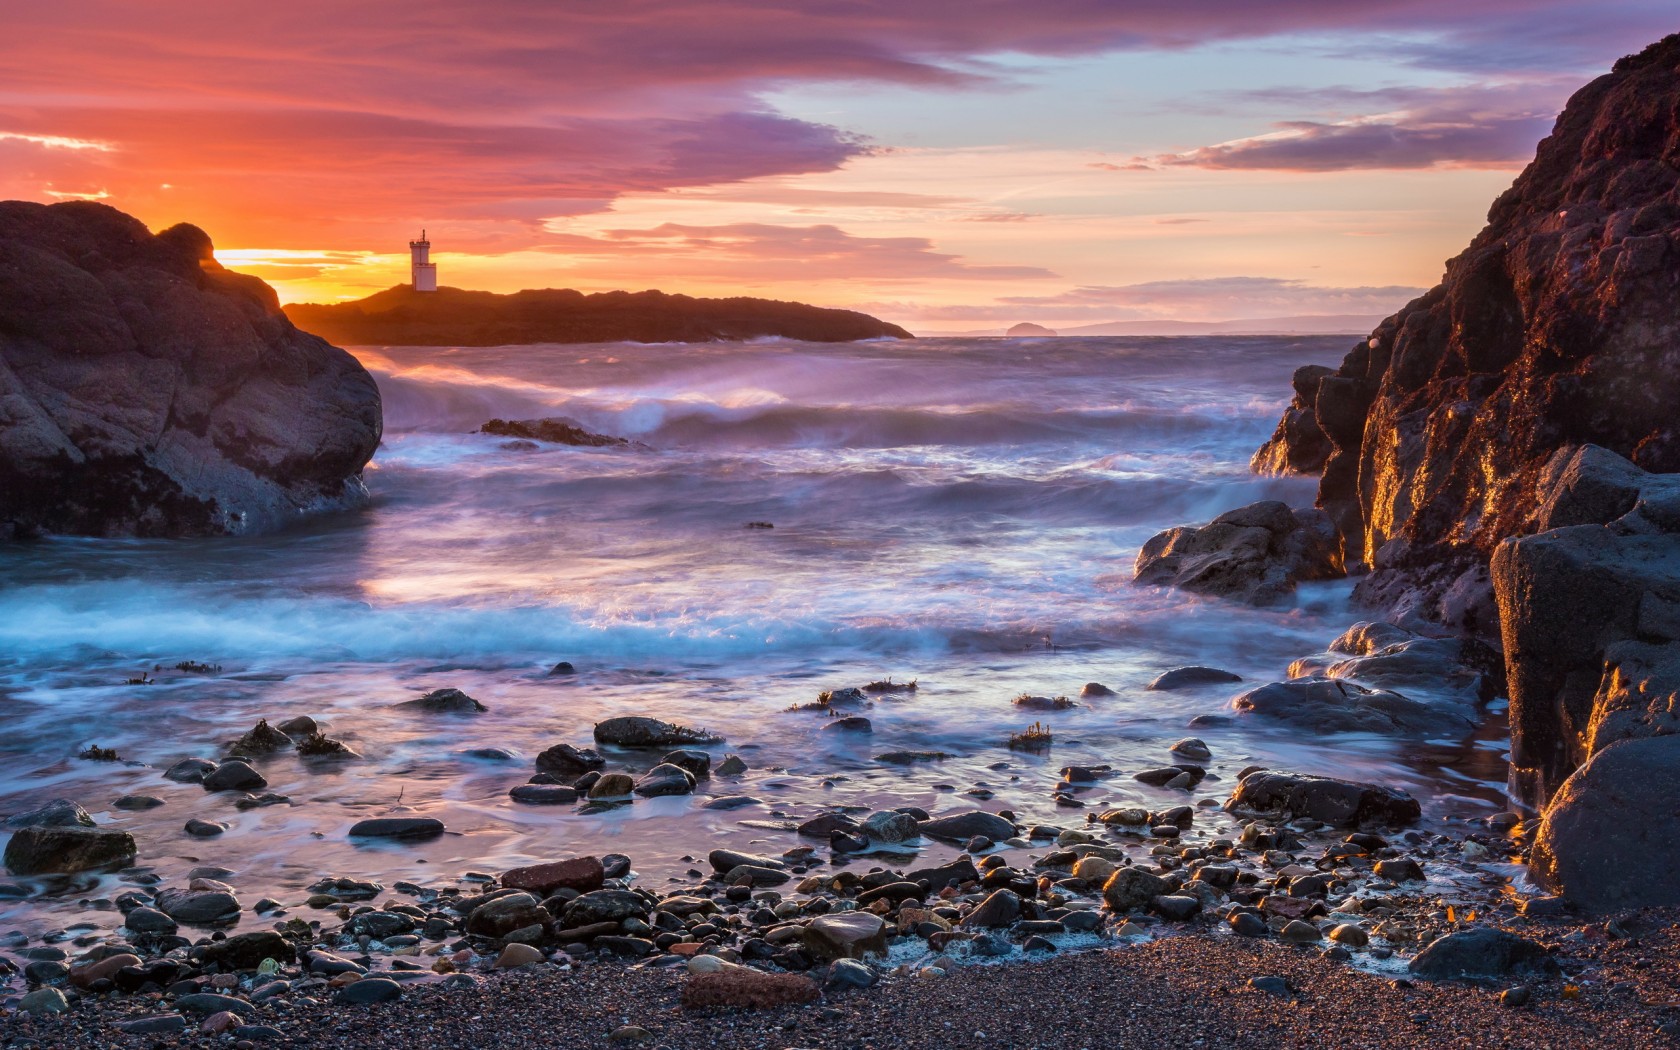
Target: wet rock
<point x="583" y="874"/>
<point x="641" y="731"/>
<point x="725" y="860"/>
<point x="847" y="935"/>
<point x="59" y="813"/>
<point x="1192" y="675"/>
<point x="370" y="990"/>
<point x="543" y="794"/>
<point x="564" y="760"/>
<point x="731" y="802"/>
<point x="1456" y="673"/>
<point x="1248" y="924"/>
<point x="1193" y="749"/>
<point x="849" y="724"/>
<point x="563" y="669"/>
<point x="38" y="850"/>
<point x="665" y="779"/>
<point x="612" y="785"/>
<point x="1399" y="869"/>
<point x="732" y="766"/>
<point x="891" y="827"/>
<point x="1029" y="702"/>
<point x="151" y="392"/>
<point x="205" y="1004"/>
<point x="299" y="726"/>
<point x="603" y="906"/>
<point x="89" y="972"/>
<point x="247" y="951"/>
<point x="263" y="739"/>
<point x="1481" y="952"/>
<point x="697" y="763"/>
<point x="149" y="921"/>
<point x="823" y="826"/>
<point x="199" y="906"/>
<point x="405" y="828"/>
<point x="156" y="1024"/>
<point x="1256" y="554"/>
<point x="908" y="758"/>
<point x="317" y="745"/>
<point x="137" y="803"/>
<point x="203" y="829"/>
<point x="1298" y="445"/>
<point x="503" y="915"/>
<point x="1329" y="705"/>
<point x="516" y="955"/>
<point x="234" y="775"/>
<point x="1176" y="907"/>
<point x="1297" y="931"/>
<point x="43" y="1001"/>
<point x="1132" y="889"/>
<point x="960" y="827"/>
<point x="1340" y="803"/>
<point x="999" y="909"/>
<point x="1610" y="838"/>
<point x="190" y="771"/>
<point x="445" y="702"/>
<point x="1094" y="690"/>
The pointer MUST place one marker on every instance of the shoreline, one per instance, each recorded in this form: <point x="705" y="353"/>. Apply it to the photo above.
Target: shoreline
<point x="1190" y="990"/>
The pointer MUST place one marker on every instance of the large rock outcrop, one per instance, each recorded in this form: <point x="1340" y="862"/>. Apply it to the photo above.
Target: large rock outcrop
<point x="1590" y="613"/>
<point x="1558" y="325"/>
<point x="145" y="390"/>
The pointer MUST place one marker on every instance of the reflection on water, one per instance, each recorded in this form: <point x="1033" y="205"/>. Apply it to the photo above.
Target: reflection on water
<point x="961" y="512"/>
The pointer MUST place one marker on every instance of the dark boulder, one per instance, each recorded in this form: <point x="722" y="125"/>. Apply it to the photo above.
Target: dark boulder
<point x="445" y="702"/>
<point x="1341" y="803"/>
<point x="234" y="775"/>
<point x="1481" y="953"/>
<point x="1610" y="838"/>
<point x="960" y="827"/>
<point x="59" y="813"/>
<point x="151" y="392"/>
<point x="246" y="951"/>
<point x="1255" y="554"/>
<point x="53" y="849"/>
<point x="1193" y="675"/>
<point x="1328" y="705"/>
<point x="564" y="760"/>
<point x="641" y="731"/>
<point x="407" y="828"/>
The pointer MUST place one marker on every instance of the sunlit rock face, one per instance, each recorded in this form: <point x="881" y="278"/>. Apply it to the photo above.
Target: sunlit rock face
<point x="1559" y="325"/>
<point x="145" y="390"/>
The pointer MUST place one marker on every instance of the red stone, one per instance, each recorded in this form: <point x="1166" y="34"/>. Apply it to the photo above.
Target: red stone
<point x="580" y="873"/>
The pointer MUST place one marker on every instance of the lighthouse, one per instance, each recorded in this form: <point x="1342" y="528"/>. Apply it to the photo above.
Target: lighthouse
<point x="423" y="272"/>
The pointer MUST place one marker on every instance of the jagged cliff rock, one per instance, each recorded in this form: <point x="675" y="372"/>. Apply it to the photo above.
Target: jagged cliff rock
<point x="145" y="390"/>
<point x="1559" y="325"/>
<point x="454" y="317"/>
<point x="1255" y="554"/>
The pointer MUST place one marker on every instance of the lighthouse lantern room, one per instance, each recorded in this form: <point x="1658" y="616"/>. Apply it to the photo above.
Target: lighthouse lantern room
<point x="423" y="271"/>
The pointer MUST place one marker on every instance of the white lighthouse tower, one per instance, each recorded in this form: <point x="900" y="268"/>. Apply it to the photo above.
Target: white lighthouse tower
<point x="423" y="272"/>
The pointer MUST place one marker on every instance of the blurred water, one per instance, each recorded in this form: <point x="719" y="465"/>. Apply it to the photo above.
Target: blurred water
<point x="961" y="512"/>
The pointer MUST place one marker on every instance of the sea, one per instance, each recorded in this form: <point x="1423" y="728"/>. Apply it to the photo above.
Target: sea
<point x="786" y="519"/>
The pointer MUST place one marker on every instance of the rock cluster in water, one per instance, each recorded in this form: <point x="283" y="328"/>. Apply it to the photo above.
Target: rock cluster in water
<point x="148" y="391"/>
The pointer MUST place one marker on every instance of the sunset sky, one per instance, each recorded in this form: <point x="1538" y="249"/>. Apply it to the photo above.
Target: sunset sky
<point x="945" y="164"/>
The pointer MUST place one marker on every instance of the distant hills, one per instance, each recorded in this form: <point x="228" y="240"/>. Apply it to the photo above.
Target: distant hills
<point x="1304" y="324"/>
<point x="401" y="316"/>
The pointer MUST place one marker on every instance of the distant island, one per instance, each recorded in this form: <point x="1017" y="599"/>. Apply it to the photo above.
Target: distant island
<point x="401" y="316"/>
<point x="1028" y="330"/>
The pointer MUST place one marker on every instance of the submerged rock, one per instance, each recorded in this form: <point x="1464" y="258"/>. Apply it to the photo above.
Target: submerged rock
<point x="152" y="392"/>
<point x="53" y="849"/>
<point x="397" y="828"/>
<point x="553" y="431"/>
<point x="1193" y="675"/>
<point x="204" y="903"/>
<point x="642" y="731"/>
<point x="445" y="702"/>
<point x="1341" y="803"/>
<point x="1255" y="554"/>
<point x="263" y="739"/>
